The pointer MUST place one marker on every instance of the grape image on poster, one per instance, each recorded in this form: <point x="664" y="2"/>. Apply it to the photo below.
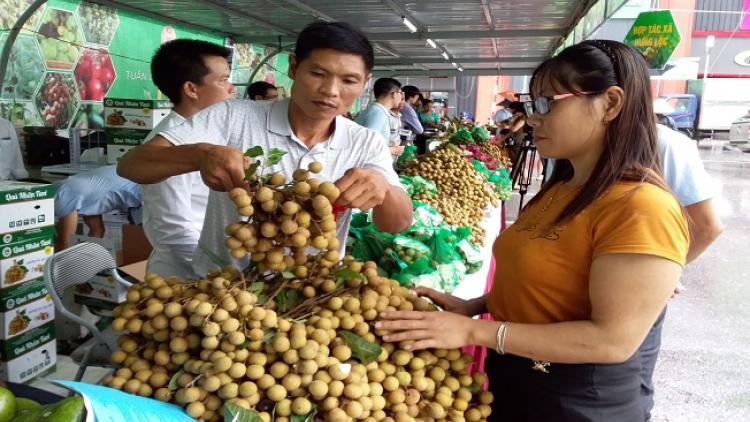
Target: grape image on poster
<point x="90" y="115"/>
<point x="60" y="37"/>
<point x="20" y="113"/>
<point x="99" y="23"/>
<point x="94" y="74"/>
<point x="11" y="10"/>
<point x="57" y="99"/>
<point x="25" y="69"/>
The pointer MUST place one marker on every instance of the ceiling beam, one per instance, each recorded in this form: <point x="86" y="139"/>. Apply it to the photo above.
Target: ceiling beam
<point x="450" y="72"/>
<point x="433" y="60"/>
<point x="248" y="17"/>
<point x="490" y="23"/>
<point x="143" y="12"/>
<point x="423" y="36"/>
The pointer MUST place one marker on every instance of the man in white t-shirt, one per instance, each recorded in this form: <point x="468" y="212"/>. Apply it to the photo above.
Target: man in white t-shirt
<point x="11" y="161"/>
<point x="684" y="173"/>
<point x="330" y="67"/>
<point x="193" y="74"/>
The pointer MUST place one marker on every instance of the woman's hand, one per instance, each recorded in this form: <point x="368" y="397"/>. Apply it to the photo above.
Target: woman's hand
<point x="449" y="303"/>
<point x="440" y="330"/>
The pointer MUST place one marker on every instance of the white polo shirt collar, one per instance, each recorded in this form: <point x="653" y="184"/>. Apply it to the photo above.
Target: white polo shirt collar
<point x="278" y="123"/>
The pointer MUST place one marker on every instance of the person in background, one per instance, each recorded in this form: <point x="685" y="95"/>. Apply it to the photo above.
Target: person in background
<point x="193" y="74"/>
<point x="502" y="114"/>
<point x="330" y="67"/>
<point x="427" y="115"/>
<point x="377" y="116"/>
<point x="661" y="110"/>
<point x="409" y="117"/>
<point x="91" y="194"/>
<point x="684" y="173"/>
<point x="262" y="91"/>
<point x="11" y="160"/>
<point x="394" y="141"/>
<point x="589" y="265"/>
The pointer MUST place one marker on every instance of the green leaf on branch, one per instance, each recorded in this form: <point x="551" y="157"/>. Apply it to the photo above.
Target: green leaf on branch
<point x="244" y="345"/>
<point x="362" y="349"/>
<point x="288" y="299"/>
<point x="344" y="274"/>
<point x="265" y="178"/>
<point x="274" y="156"/>
<point x="250" y="172"/>
<point x="173" y="382"/>
<point x="235" y="413"/>
<point x="473" y="388"/>
<point x="254" y="152"/>
<point x="310" y="417"/>
<point x="269" y="335"/>
<point x="288" y="274"/>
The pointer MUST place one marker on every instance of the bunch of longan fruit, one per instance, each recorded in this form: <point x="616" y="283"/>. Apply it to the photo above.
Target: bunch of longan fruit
<point x="282" y="216"/>
<point x="462" y="193"/>
<point x="215" y="341"/>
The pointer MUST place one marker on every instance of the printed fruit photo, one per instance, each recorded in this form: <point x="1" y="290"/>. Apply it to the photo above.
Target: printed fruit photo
<point x="60" y="39"/>
<point x="57" y="100"/>
<point x="88" y="116"/>
<point x="11" y="10"/>
<point x="99" y="22"/>
<point x="19" y="323"/>
<point x="25" y="69"/>
<point x="94" y="74"/>
<point x="16" y="272"/>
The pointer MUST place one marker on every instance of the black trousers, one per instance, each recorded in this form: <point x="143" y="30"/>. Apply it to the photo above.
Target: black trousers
<point x="568" y="393"/>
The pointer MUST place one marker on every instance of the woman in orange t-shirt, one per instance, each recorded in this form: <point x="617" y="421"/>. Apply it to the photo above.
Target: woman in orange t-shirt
<point x="591" y="262"/>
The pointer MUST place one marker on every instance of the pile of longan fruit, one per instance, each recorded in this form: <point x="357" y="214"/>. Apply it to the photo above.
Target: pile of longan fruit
<point x="216" y="343"/>
<point x="462" y="193"/>
<point x="285" y="216"/>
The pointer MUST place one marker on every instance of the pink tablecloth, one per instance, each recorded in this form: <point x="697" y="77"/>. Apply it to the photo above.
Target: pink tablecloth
<point x="480" y="353"/>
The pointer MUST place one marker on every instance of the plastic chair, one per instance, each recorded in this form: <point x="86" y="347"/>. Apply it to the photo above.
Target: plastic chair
<point x="73" y="266"/>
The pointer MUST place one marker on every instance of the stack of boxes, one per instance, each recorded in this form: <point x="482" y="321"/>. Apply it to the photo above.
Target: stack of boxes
<point x="128" y="122"/>
<point x="27" y="327"/>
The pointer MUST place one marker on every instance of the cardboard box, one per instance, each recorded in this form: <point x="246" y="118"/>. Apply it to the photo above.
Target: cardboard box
<point x="135" y="114"/>
<point x="115" y="152"/>
<point x="129" y="137"/>
<point x="46" y="232"/>
<point x="26" y="317"/>
<point x="136" y="271"/>
<point x="101" y="292"/>
<point x="28" y="355"/>
<point x="135" y="244"/>
<point x="25" y="206"/>
<point x="24" y="261"/>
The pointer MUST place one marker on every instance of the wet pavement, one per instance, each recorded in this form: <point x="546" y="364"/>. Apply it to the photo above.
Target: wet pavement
<point x="703" y="371"/>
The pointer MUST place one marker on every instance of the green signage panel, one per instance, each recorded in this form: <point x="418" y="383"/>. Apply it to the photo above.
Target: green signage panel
<point x="655" y="35"/>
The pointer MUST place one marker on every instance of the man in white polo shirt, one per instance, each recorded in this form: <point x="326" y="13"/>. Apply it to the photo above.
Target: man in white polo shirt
<point x="193" y="74"/>
<point x="330" y="67"/>
<point x="377" y="116"/>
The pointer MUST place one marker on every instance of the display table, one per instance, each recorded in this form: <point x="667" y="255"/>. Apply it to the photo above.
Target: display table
<point x="71" y="169"/>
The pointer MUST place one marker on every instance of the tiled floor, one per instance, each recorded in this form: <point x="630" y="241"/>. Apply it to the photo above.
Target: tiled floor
<point x="66" y="370"/>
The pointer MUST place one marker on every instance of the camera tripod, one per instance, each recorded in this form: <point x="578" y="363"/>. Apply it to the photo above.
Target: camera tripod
<point x="520" y="174"/>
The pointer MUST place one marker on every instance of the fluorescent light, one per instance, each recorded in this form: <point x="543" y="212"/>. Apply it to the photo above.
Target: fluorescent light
<point x="410" y="25"/>
<point x="445" y="55"/>
<point x="454" y="64"/>
<point x="460" y="69"/>
<point x="431" y="43"/>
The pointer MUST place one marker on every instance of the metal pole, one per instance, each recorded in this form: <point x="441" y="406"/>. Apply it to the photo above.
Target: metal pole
<point x="262" y="63"/>
<point x="5" y="55"/>
<point x="709" y="44"/>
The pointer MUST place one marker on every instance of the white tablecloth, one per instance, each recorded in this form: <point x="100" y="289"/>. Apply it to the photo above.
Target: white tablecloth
<point x="474" y="284"/>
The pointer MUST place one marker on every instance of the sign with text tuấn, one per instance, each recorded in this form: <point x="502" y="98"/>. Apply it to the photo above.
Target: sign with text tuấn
<point x="655" y="35"/>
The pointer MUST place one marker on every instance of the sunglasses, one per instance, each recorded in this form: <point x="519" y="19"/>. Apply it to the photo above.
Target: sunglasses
<point x="541" y="105"/>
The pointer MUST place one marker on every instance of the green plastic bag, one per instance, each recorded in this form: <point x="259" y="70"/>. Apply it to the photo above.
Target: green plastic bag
<point x="427" y="216"/>
<point x="406" y="276"/>
<point x="480" y="134"/>
<point x="407" y="157"/>
<point x="443" y="247"/>
<point x="450" y="275"/>
<point x="469" y="255"/>
<point x="462" y="137"/>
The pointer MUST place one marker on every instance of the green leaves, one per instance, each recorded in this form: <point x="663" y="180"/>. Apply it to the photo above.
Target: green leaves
<point x="269" y="335"/>
<point x="310" y="417"/>
<point x="274" y="156"/>
<point x="288" y="274"/>
<point x="254" y="152"/>
<point x="288" y="299"/>
<point x="173" y="382"/>
<point x="362" y="350"/>
<point x="345" y="274"/>
<point x="235" y="413"/>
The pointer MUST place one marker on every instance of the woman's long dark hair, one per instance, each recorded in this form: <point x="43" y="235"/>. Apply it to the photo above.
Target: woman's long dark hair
<point x="631" y="151"/>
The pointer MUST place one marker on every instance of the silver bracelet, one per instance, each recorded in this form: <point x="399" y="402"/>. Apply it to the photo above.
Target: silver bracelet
<point x="500" y="338"/>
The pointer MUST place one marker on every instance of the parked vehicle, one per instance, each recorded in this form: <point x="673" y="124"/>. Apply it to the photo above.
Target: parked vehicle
<point x="740" y="130"/>
<point x="701" y="114"/>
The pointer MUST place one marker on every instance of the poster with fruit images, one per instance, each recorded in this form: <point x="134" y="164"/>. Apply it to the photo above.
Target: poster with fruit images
<point x="247" y="57"/>
<point x="72" y="54"/>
